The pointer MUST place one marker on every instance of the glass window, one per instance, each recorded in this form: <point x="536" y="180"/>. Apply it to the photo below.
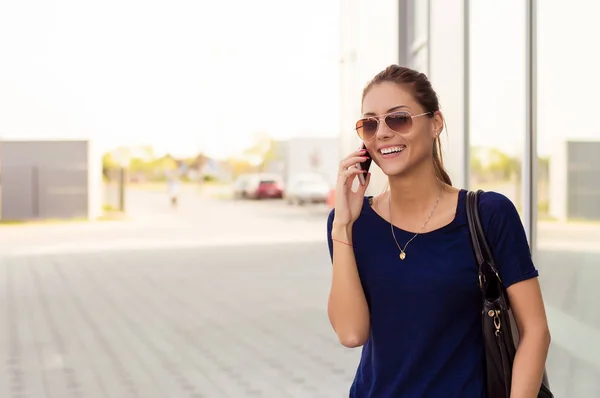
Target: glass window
<point x="567" y="247"/>
<point x="497" y="97"/>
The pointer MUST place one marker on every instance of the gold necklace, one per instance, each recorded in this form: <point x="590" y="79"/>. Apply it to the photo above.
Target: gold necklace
<point x="403" y="251"/>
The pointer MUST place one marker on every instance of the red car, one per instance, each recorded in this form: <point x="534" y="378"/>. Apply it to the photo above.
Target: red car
<point x="268" y="189"/>
<point x="265" y="186"/>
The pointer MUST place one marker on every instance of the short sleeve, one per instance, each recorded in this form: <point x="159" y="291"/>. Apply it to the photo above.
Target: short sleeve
<point x="507" y="239"/>
<point x="329" y="228"/>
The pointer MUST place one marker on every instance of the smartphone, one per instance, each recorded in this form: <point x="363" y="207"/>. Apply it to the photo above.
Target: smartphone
<point x="364" y="166"/>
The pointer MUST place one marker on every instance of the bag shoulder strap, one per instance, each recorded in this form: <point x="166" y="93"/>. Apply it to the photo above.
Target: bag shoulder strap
<point x="483" y="254"/>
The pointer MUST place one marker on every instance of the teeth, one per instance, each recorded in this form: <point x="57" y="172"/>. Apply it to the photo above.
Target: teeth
<point x="392" y="149"/>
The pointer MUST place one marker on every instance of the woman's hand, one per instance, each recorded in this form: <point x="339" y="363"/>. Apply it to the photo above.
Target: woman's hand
<point x="348" y="203"/>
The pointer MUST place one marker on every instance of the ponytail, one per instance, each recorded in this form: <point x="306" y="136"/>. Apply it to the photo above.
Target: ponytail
<point x="438" y="163"/>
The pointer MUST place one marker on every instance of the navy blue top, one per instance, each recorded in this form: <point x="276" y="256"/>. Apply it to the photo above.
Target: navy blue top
<point x="426" y="338"/>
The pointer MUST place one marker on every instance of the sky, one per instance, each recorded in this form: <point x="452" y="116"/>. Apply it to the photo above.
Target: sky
<point x="189" y="76"/>
<point x="181" y="75"/>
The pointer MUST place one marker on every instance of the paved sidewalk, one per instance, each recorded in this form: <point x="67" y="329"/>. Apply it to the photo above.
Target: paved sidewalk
<point x="199" y="322"/>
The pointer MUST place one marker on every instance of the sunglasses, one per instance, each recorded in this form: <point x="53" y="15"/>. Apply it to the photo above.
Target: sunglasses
<point x="400" y="122"/>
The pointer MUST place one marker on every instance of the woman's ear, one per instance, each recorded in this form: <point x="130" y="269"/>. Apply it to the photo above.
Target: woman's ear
<point x="438" y="124"/>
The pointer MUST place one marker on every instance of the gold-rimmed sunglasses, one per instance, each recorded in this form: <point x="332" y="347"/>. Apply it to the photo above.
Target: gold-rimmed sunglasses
<point x="400" y="122"/>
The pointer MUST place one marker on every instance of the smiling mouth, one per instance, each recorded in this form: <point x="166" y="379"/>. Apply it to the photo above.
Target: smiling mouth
<point x="392" y="149"/>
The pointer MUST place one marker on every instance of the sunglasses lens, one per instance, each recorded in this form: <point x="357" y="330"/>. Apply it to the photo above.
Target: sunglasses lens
<point x="400" y="122"/>
<point x="366" y="128"/>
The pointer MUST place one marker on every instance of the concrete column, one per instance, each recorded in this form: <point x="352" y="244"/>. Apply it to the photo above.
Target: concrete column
<point x="371" y="41"/>
<point x="448" y="63"/>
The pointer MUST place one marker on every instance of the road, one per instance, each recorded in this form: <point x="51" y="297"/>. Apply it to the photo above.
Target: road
<point x="201" y="220"/>
<point x="248" y="321"/>
<point x="95" y="317"/>
<point x="198" y="220"/>
<point x="220" y="298"/>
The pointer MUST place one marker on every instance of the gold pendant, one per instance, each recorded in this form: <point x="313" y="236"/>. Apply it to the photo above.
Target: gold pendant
<point x="402" y="256"/>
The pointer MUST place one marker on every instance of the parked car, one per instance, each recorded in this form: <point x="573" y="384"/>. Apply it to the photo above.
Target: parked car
<point x="240" y="186"/>
<point x="264" y="186"/>
<point x="307" y="188"/>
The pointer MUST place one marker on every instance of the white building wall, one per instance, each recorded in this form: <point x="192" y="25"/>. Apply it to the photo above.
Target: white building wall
<point x="447" y="57"/>
<point x="372" y="39"/>
<point x="370" y="42"/>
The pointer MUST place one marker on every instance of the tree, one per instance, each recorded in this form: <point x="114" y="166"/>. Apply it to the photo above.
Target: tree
<point x="241" y="166"/>
<point x="108" y="162"/>
<point x="263" y="152"/>
<point x="259" y="150"/>
<point x="198" y="162"/>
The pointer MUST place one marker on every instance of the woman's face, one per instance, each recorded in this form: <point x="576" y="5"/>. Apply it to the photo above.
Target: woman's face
<point x="397" y="153"/>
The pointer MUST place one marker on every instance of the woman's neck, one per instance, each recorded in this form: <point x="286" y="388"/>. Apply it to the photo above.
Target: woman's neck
<point x="415" y="193"/>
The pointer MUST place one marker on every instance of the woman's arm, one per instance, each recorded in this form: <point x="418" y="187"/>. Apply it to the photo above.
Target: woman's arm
<point x="528" y="308"/>
<point x="512" y="254"/>
<point x="347" y="307"/>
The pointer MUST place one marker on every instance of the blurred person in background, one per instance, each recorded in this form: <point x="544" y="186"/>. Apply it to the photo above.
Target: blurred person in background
<point x="405" y="282"/>
<point x="173" y="188"/>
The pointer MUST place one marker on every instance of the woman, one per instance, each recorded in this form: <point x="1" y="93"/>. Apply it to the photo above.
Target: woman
<point x="404" y="282"/>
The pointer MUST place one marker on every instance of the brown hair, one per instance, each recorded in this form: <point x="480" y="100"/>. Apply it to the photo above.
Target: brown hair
<point x="424" y="94"/>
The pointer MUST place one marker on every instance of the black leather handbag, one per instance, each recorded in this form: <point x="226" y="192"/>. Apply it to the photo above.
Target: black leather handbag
<point x="500" y="331"/>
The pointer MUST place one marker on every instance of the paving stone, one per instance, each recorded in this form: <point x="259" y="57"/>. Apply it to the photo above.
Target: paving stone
<point x="193" y="323"/>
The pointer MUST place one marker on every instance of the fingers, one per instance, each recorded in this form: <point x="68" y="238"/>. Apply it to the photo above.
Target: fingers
<point x="359" y="152"/>
<point x="350" y="172"/>
<point x="350" y="162"/>
<point x="352" y="159"/>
